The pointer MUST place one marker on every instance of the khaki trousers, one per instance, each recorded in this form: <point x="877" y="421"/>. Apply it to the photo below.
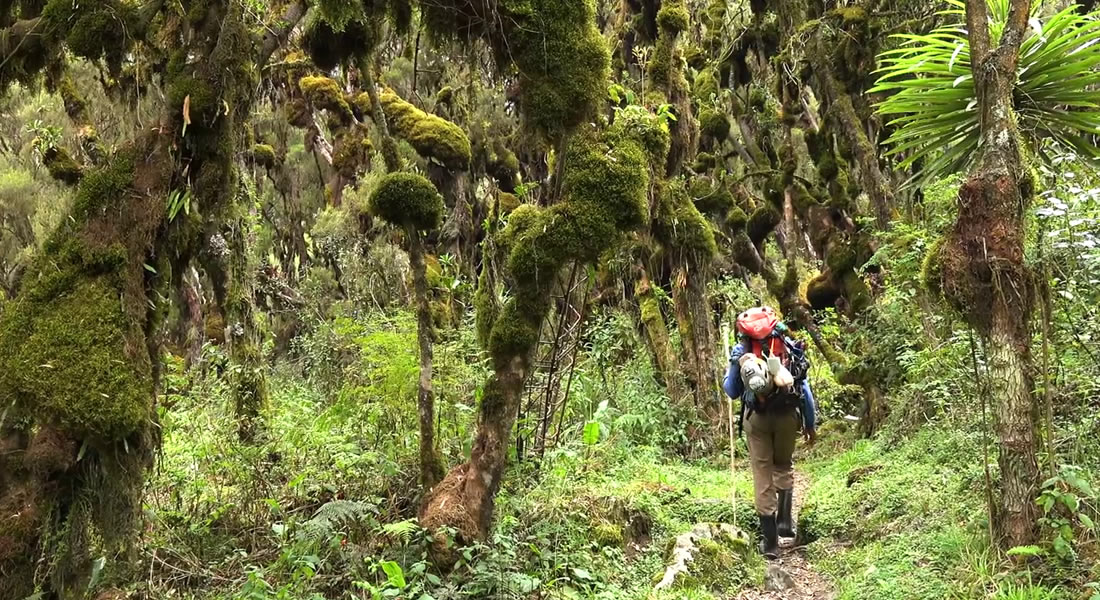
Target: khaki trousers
<point x="771" y="437"/>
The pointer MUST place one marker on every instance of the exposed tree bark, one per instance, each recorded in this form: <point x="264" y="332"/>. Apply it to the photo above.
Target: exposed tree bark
<point x="694" y="318"/>
<point x="984" y="272"/>
<point x="431" y="465"/>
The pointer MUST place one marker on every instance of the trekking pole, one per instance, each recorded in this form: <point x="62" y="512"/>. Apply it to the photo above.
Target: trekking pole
<point x="733" y="449"/>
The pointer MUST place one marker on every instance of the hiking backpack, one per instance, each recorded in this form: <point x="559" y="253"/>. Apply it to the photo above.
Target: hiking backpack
<point x="761" y="329"/>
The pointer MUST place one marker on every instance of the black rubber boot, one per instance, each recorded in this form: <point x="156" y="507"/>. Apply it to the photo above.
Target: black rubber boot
<point x="769" y="546"/>
<point x="784" y="521"/>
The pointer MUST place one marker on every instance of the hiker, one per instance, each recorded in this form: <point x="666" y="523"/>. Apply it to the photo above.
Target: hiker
<point x="768" y="372"/>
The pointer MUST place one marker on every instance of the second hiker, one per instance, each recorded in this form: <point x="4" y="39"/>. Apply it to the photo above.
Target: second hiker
<point x="768" y="373"/>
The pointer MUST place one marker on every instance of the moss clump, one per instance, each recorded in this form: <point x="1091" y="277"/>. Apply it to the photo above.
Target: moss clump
<point x="263" y="155"/>
<point x="325" y="94"/>
<point x="67" y="353"/>
<point x="432" y="137"/>
<point x="75" y="106"/>
<point x="706" y="85"/>
<point x="840" y="257"/>
<point x="704" y="162"/>
<point x="94" y="30"/>
<point x="822" y="293"/>
<point x="407" y="199"/>
<point x="608" y="535"/>
<point x="856" y="291"/>
<point x="61" y="166"/>
<point x="504" y="166"/>
<point x="714" y="125"/>
<point x="103" y="188"/>
<point x="506" y="203"/>
<point x="712" y="201"/>
<point x="758" y="99"/>
<point x="329" y="47"/>
<point x="637" y="123"/>
<point x="931" y="271"/>
<point x="351" y="155"/>
<point x="444" y="96"/>
<point x="695" y="58"/>
<point x="761" y="223"/>
<point x="680" y="227"/>
<point x="736" y="219"/>
<point x="672" y="17"/>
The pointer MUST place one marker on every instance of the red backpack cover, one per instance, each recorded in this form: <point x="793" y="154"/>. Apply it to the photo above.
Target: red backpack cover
<point x="758" y="324"/>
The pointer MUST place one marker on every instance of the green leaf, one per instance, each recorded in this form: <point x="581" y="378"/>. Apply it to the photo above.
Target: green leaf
<point x="394" y="574"/>
<point x="1086" y="521"/>
<point x="591" y="433"/>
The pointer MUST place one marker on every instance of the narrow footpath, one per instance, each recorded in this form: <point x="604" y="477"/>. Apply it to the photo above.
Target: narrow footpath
<point x="792" y="576"/>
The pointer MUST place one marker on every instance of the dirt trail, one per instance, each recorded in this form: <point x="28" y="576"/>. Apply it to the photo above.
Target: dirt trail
<point x="809" y="584"/>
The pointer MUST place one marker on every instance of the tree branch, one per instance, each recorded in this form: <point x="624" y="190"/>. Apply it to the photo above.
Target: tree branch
<point x="1013" y="34"/>
<point x="278" y="34"/>
<point x="977" y="25"/>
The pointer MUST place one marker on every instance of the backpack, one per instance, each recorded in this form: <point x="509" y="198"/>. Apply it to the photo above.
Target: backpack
<point x="764" y="335"/>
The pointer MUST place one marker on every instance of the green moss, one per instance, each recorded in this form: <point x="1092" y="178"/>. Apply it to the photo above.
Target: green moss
<point x="608" y="535"/>
<point x="821" y="292"/>
<point x="104" y="188"/>
<point x="714" y="124"/>
<point x="761" y="223"/>
<point x="706" y="85"/>
<point x="672" y="17"/>
<point x="637" y="123"/>
<point x="506" y="203"/>
<point x="931" y="272"/>
<point x="856" y="291"/>
<point x="351" y="154"/>
<point x="704" y="162"/>
<point x="67" y="352"/>
<point x="515" y="330"/>
<point x="679" y="225"/>
<point x="486" y="307"/>
<point x="407" y="199"/>
<point x="94" y="30"/>
<point x="696" y="58"/>
<point x="758" y="99"/>
<point x="563" y="62"/>
<point x="431" y="136"/>
<point x="826" y="167"/>
<point x="737" y="219"/>
<point x="75" y="106"/>
<point x="263" y="155"/>
<point x="61" y="166"/>
<point x="712" y="201"/>
<point x="801" y="198"/>
<point x="851" y="15"/>
<point x="329" y="48"/>
<point x="325" y="94"/>
<point x="444" y="95"/>
<point x="841" y="257"/>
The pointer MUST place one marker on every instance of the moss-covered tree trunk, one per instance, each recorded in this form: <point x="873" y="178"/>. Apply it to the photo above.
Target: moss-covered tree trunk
<point x="79" y="348"/>
<point x="657" y="338"/>
<point x="694" y="318"/>
<point x="984" y="273"/>
<point x="431" y="464"/>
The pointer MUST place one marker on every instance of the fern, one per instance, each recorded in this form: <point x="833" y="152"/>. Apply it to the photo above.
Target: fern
<point x="402" y="530"/>
<point x="336" y="516"/>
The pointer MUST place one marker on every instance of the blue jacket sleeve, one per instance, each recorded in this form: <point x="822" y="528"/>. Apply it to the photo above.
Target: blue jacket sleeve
<point x="809" y="411"/>
<point x="733" y="385"/>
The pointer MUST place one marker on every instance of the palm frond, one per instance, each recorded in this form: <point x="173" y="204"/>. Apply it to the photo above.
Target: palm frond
<point x="932" y="106"/>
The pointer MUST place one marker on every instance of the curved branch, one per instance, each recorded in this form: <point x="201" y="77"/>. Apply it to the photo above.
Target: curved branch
<point x="278" y="34"/>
